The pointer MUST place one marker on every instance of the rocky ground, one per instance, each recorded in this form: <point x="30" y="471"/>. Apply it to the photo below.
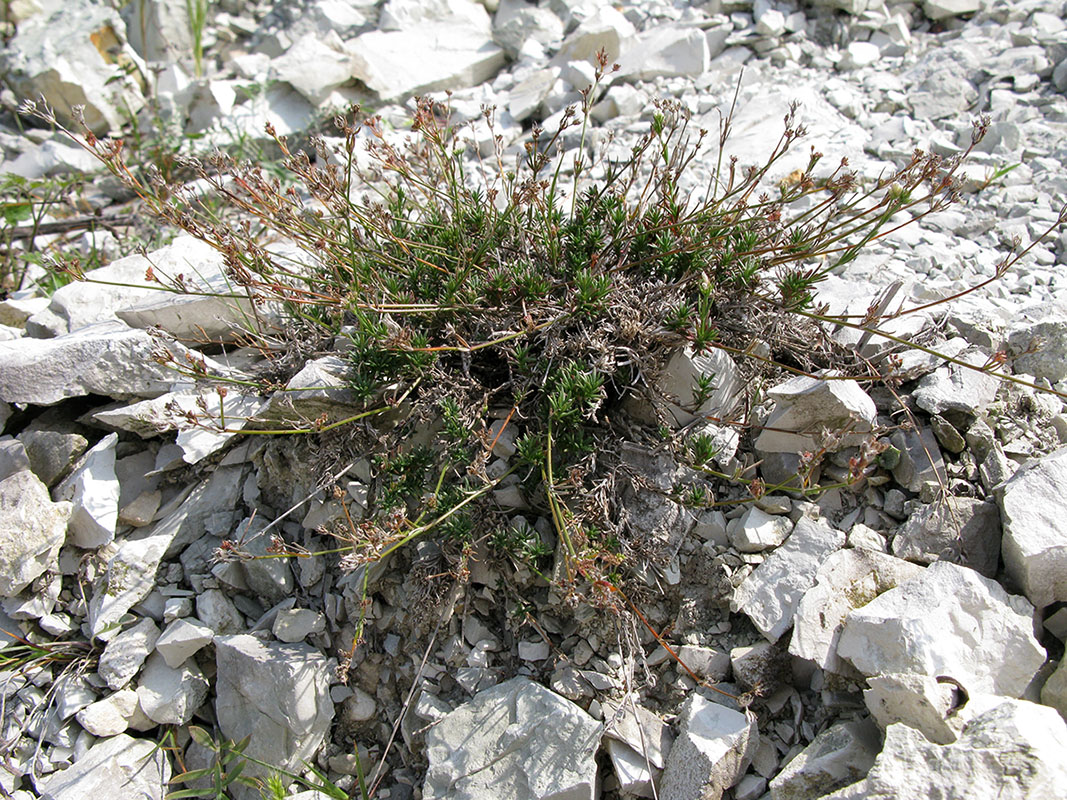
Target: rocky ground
<point x="898" y="637"/>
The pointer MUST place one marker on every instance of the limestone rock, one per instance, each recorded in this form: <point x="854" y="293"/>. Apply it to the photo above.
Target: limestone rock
<point x="665" y="51"/>
<point x="32" y="529"/>
<point x="919" y="701"/>
<point x="940" y="9"/>
<point x="847" y="580"/>
<point x="771" y="594"/>
<point x="93" y="490"/>
<point x="110" y="716"/>
<point x="278" y="693"/>
<point x="314" y="65"/>
<point x="125" y="653"/>
<point x="1054" y="692"/>
<point x="955" y="389"/>
<point x="182" y="639"/>
<point x="119" y="766"/>
<point x="1033" y="505"/>
<point x="962" y="530"/>
<point x="107" y="358"/>
<point x="129" y="577"/>
<point x="807" y="410"/>
<point x="463" y="56"/>
<point x="757" y="531"/>
<point x="171" y="695"/>
<point x="1010" y="752"/>
<point x="714" y="747"/>
<point x="839" y="756"/>
<point x="77" y="56"/>
<point x="948" y="621"/>
<point x="498" y="745"/>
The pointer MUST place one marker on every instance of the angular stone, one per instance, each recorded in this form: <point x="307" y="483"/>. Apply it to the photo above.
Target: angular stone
<point x="77" y="55"/>
<point x="169" y="695"/>
<point x="463" y="56"/>
<point x="605" y="29"/>
<point x="125" y="653"/>
<point x="93" y="490"/>
<point x="665" y="51"/>
<point x="109" y="716"/>
<point x="919" y="701"/>
<point x="1013" y="750"/>
<point x="847" y="580"/>
<point x="920" y="458"/>
<point x="758" y="530"/>
<point x="955" y="389"/>
<point x="948" y="621"/>
<point x="962" y="530"/>
<point x="1033" y="505"/>
<point x="218" y="612"/>
<point x="119" y="766"/>
<point x="640" y="729"/>
<point x="771" y="594"/>
<point x="680" y="382"/>
<point x="1054" y="692"/>
<point x="182" y="639"/>
<point x="52" y="453"/>
<point x="808" y="410"/>
<point x="839" y="756"/>
<point x="498" y="742"/>
<point x="278" y="693"/>
<point x="314" y="65"/>
<point x="940" y="9"/>
<point x="296" y="624"/>
<point x="107" y="358"/>
<point x="714" y="747"/>
<point x="129" y="577"/>
<point x="32" y="529"/>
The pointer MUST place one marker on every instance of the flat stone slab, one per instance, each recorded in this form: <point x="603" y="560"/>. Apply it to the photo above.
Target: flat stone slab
<point x="515" y="741"/>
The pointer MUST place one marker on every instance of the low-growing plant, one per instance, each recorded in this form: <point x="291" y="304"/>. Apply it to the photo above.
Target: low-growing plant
<point x="547" y="288"/>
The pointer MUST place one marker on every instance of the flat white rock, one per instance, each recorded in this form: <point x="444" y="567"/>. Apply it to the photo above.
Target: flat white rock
<point x="1013" y="751"/>
<point x="1033" y="505"/>
<point x="770" y="595"/>
<point x="93" y="489"/>
<point x="499" y="746"/>
<point x="847" y="580"/>
<point x="119" y="766"/>
<point x="32" y="529"/>
<point x="948" y="621"/>
<point x="714" y="747"/>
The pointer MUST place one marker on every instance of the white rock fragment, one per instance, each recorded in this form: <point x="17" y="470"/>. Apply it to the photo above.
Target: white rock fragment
<point x="680" y="385"/>
<point x="948" y="621"/>
<point x="171" y="695"/>
<point x="714" y="747"/>
<point x="858" y="55"/>
<point x="182" y="639"/>
<point x="278" y="693"/>
<point x="1054" y="692"/>
<point x="296" y="624"/>
<point x="940" y="9"/>
<point x="462" y="56"/>
<point x="963" y="530"/>
<point x="665" y="51"/>
<point x="605" y="29"/>
<point x="129" y="577"/>
<point x="839" y="756"/>
<point x="1013" y="750"/>
<point x="107" y="358"/>
<point x="847" y="580"/>
<point x="757" y="531"/>
<point x="808" y="410"/>
<point x="110" y="716"/>
<point x="32" y="529"/>
<point x="919" y="701"/>
<point x="93" y="490"/>
<point x="119" y="766"/>
<point x="771" y="594"/>
<point x="954" y="388"/>
<point x="314" y="65"/>
<point x="125" y="653"/>
<point x="1033" y="505"/>
<point x="77" y="55"/>
<point x="500" y="740"/>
